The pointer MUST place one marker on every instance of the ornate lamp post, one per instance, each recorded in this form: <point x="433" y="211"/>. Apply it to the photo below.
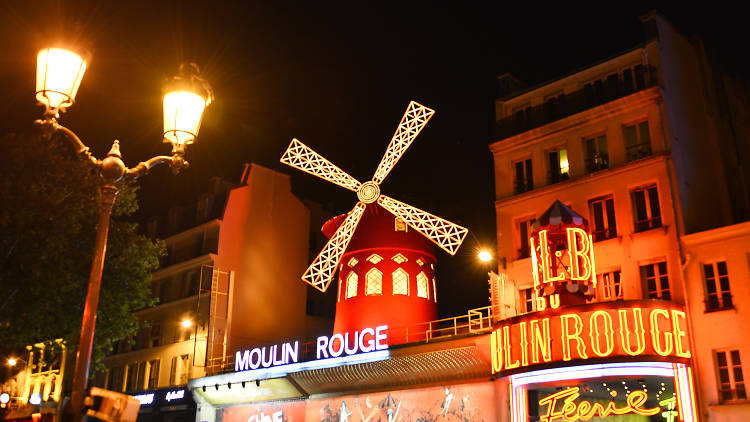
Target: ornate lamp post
<point x="59" y="74"/>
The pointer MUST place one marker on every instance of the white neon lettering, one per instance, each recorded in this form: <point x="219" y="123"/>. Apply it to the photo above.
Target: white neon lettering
<point x="336" y="353"/>
<point x="380" y="337"/>
<point x="370" y="343"/>
<point x="322" y="347"/>
<point x="144" y="398"/>
<point x="241" y="361"/>
<point x="291" y="354"/>
<point x="175" y="395"/>
<point x="255" y="363"/>
<point x="281" y="355"/>
<point x="354" y="349"/>
<point x="278" y="416"/>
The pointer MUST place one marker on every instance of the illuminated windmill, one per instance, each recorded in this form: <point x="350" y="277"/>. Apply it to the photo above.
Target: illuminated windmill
<point x="443" y="233"/>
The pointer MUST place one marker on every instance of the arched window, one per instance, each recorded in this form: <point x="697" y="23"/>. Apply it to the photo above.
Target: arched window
<point x="422" y="285"/>
<point x="374" y="282"/>
<point x="400" y="282"/>
<point x="351" y="284"/>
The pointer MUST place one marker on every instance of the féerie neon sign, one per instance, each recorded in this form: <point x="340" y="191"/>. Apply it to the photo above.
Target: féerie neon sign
<point x="563" y="406"/>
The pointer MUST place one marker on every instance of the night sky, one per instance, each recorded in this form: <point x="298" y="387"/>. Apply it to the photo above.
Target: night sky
<point x="338" y="76"/>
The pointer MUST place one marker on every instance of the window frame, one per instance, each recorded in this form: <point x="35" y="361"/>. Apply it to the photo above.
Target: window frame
<point x="556" y="174"/>
<point x="592" y="163"/>
<point x="609" y="230"/>
<point x="352" y="279"/>
<point x="377" y="280"/>
<point x="640" y="149"/>
<point x="527" y="183"/>
<point x="652" y="221"/>
<point x="523" y="250"/>
<point x="527" y="297"/>
<point x="394" y="274"/>
<point x="612" y="280"/>
<point x="731" y="372"/>
<point x="722" y="295"/>
<point x="658" y="280"/>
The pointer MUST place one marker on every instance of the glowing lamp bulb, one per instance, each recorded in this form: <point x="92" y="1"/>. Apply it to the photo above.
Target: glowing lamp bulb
<point x="35" y="398"/>
<point x="186" y="323"/>
<point x="58" y="76"/>
<point x="485" y="256"/>
<point x="12" y="362"/>
<point x="183" y="111"/>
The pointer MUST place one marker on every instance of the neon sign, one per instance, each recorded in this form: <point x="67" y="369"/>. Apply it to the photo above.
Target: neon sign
<point x="367" y="340"/>
<point x="580" y="333"/>
<point x="575" y="262"/>
<point x="174" y="395"/>
<point x="563" y="406"/>
<point x="145" y="398"/>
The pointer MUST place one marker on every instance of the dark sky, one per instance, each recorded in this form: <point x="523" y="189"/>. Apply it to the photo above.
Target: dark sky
<point x="338" y="76"/>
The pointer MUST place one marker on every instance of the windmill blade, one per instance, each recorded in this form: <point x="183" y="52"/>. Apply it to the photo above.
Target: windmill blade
<point x="443" y="233"/>
<point x="299" y="155"/>
<point x="415" y="118"/>
<point x="320" y="273"/>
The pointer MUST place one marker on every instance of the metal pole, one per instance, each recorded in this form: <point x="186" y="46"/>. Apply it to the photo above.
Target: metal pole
<point x="81" y="374"/>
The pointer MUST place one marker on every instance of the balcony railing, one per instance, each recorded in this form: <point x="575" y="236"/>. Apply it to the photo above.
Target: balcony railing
<point x="594" y="94"/>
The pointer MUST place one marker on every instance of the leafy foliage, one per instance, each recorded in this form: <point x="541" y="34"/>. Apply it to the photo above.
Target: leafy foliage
<point x="48" y="217"/>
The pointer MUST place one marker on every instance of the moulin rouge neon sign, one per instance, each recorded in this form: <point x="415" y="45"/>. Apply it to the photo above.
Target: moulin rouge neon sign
<point x="634" y="328"/>
<point x="366" y="340"/>
<point x="563" y="406"/>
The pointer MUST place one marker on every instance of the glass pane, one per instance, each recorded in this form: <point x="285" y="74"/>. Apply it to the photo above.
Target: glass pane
<point x="645" y="138"/>
<point x="639" y="199"/>
<point x="724" y="375"/>
<point x="649" y="271"/>
<point x="602" y="142"/>
<point x="724" y="283"/>
<point x="721" y="358"/>
<point x="708" y="270"/>
<point x="721" y="267"/>
<point x="653" y="197"/>
<point x="736" y="358"/>
<point x="611" y="217"/>
<point x="598" y="216"/>
<point x="529" y="175"/>
<point x="631" y="139"/>
<point x="663" y="268"/>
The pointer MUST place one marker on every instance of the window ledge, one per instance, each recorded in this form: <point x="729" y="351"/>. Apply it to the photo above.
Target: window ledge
<point x="730" y="403"/>
<point x="723" y="308"/>
<point x="665" y="228"/>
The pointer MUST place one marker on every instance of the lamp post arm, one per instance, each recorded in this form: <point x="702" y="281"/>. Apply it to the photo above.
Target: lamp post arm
<point x="176" y="162"/>
<point x="49" y="126"/>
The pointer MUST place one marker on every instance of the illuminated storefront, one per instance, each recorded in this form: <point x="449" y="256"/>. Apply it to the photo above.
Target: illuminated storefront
<point x="173" y="404"/>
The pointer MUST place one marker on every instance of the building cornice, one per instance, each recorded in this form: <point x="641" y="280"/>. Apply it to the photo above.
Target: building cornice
<point x="192" y="231"/>
<point x="717" y="234"/>
<point x="560" y="127"/>
<point x="182" y="266"/>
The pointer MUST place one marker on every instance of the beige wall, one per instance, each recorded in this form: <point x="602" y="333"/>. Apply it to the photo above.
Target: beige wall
<point x="725" y="329"/>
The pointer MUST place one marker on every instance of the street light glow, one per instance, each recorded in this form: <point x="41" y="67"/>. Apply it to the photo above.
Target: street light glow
<point x="58" y="76"/>
<point x="484" y="256"/>
<point x="186" y="323"/>
<point x="182" y="116"/>
<point x="12" y="362"/>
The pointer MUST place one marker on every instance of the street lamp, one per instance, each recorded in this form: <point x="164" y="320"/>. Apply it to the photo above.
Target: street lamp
<point x="59" y="74"/>
<point x="484" y="256"/>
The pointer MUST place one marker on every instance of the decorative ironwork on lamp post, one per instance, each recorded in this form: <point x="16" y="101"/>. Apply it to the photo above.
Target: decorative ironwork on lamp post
<point x="59" y="74"/>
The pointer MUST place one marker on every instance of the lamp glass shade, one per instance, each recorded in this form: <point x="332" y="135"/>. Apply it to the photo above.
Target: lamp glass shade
<point x="58" y="76"/>
<point x="183" y="111"/>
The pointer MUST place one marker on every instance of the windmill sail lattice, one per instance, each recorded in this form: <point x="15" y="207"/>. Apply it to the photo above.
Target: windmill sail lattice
<point x="443" y="233"/>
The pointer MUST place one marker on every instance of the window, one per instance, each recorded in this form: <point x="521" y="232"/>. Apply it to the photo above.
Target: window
<point x="434" y="290"/>
<point x="527" y="300"/>
<point x="718" y="295"/>
<point x="656" y="281"/>
<point x="524" y="231"/>
<point x="558" y="165"/>
<point x="400" y="282"/>
<point x="610" y="285"/>
<point x="141" y="381"/>
<point x="116" y="378"/>
<point x="731" y="382"/>
<point x="374" y="258"/>
<point x="603" y="216"/>
<point x="194" y="279"/>
<point x="351" y="285"/>
<point x="637" y="141"/>
<point x="422" y="286"/>
<point x="646" y="212"/>
<point x="173" y="371"/>
<point x="419" y="262"/>
<point x="399" y="225"/>
<point x="352" y="262"/>
<point x="524" y="176"/>
<point x="155" y="334"/>
<point x="597" y="157"/>
<point x="131" y="384"/>
<point x="374" y="282"/>
<point x="183" y="369"/>
<point x="399" y="259"/>
<point x="153" y="373"/>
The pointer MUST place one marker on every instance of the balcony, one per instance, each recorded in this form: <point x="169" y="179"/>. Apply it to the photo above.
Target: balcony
<point x="594" y="94"/>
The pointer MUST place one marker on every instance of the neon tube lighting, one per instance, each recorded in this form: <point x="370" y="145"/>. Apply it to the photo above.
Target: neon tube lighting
<point x="594" y="371"/>
<point x="283" y="370"/>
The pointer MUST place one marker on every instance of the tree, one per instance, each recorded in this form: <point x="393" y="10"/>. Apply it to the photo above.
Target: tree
<point x="48" y="218"/>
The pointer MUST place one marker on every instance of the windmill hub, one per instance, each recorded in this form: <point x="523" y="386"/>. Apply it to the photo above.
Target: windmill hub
<point x="368" y="192"/>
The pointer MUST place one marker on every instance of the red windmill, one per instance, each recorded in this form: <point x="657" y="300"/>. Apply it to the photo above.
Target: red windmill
<point x="387" y="276"/>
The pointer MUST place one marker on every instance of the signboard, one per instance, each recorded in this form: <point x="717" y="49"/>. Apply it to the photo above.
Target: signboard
<point x="565" y="406"/>
<point x="366" y="340"/>
<point x="579" y="333"/>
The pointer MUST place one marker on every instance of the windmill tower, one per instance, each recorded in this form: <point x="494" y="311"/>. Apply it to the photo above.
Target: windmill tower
<point x="387" y="277"/>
